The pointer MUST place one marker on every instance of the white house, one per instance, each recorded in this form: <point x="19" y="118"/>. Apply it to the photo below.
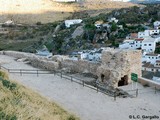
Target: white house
<point x="9" y="22"/>
<point x="148" y="45"/>
<point x="68" y="23"/>
<point x="150" y="68"/>
<point x="152" y="58"/>
<point x="127" y="44"/>
<point x="148" y="33"/>
<point x="113" y="20"/>
<point x="156" y="24"/>
<point x="131" y="44"/>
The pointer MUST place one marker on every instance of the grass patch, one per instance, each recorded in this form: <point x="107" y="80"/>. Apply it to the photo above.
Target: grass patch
<point x="21" y="103"/>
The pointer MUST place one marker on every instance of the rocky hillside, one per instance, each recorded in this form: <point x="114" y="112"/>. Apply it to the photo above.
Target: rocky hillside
<point x="33" y="11"/>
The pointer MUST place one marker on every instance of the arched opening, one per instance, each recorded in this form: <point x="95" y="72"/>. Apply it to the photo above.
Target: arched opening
<point x="102" y="77"/>
<point x="123" y="81"/>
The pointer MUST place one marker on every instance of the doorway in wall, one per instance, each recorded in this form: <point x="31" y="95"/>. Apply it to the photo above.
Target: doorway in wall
<point x="123" y="81"/>
<point x="102" y="77"/>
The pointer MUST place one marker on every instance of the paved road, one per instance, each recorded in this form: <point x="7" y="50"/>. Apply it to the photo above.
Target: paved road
<point x="84" y="102"/>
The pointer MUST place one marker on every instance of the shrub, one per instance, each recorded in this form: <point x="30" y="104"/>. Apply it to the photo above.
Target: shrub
<point x="38" y="23"/>
<point x="71" y="118"/>
<point x="12" y="86"/>
<point x="6" y="83"/>
<point x="3" y="116"/>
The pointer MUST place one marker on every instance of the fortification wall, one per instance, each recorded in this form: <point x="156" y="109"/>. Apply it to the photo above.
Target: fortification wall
<point x="36" y="61"/>
<point x="80" y="66"/>
<point x="117" y="65"/>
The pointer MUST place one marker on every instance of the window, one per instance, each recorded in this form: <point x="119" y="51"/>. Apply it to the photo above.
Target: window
<point x="152" y="69"/>
<point x="156" y="57"/>
<point x="145" y="44"/>
<point x="152" y="57"/>
<point x="149" y="44"/>
<point x="148" y="57"/>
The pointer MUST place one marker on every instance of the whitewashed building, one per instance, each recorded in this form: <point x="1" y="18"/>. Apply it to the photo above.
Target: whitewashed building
<point x="113" y="20"/>
<point x="148" y="33"/>
<point x="132" y="44"/>
<point x="152" y="58"/>
<point x="68" y="23"/>
<point x="156" y="24"/>
<point x="148" y="45"/>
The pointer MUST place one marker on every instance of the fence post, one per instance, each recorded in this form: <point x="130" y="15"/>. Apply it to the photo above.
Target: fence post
<point x="136" y="92"/>
<point x="71" y="79"/>
<point x="155" y="90"/>
<point x="20" y="72"/>
<point x="115" y="96"/>
<point x="54" y="72"/>
<point x="61" y="74"/>
<point x="83" y="83"/>
<point x="97" y="88"/>
<point x="37" y="73"/>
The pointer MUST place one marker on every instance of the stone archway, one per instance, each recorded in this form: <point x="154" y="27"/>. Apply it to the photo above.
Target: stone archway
<point x="123" y="81"/>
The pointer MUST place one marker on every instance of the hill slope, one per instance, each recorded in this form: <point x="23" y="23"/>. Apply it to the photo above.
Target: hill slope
<point x="20" y="103"/>
<point x="32" y="11"/>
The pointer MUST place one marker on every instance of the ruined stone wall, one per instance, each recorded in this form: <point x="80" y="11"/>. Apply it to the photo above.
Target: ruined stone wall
<point x="117" y="64"/>
<point x="80" y="66"/>
<point x="36" y="61"/>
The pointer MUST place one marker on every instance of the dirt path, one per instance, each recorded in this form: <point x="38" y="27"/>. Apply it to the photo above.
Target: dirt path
<point x="84" y="102"/>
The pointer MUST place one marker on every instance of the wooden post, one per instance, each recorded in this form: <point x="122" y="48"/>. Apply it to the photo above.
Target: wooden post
<point x="61" y="74"/>
<point x="155" y="90"/>
<point x="71" y="79"/>
<point x="136" y="92"/>
<point x="97" y="88"/>
<point x="20" y="72"/>
<point x="114" y="96"/>
<point x="83" y="83"/>
<point x="37" y="73"/>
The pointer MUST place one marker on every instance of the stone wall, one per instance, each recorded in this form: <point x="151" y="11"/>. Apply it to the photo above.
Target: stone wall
<point x="36" y="61"/>
<point x="80" y="66"/>
<point x="117" y="65"/>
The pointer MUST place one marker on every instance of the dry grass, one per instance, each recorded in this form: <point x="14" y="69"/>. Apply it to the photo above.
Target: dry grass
<point x="26" y="104"/>
<point x="32" y="11"/>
